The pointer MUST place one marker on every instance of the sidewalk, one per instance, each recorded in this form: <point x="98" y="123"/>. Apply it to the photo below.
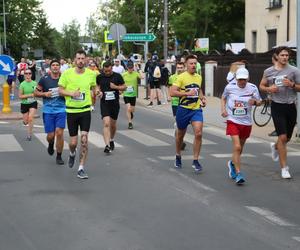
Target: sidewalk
<point x="212" y="116"/>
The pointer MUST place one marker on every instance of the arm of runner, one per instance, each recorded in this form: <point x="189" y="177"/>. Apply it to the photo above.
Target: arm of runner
<point x="38" y="92"/>
<point x="175" y="91"/>
<point x="22" y="96"/>
<point x="223" y="107"/>
<point x="63" y="92"/>
<point x="118" y="87"/>
<point x="202" y="98"/>
<point x="263" y="86"/>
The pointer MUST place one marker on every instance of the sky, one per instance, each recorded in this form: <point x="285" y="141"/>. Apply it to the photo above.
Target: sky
<point x="61" y="12"/>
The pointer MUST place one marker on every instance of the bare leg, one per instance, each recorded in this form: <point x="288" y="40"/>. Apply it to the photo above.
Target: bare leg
<point x="237" y="149"/>
<point x="31" y="114"/>
<point x="179" y="139"/>
<point x="59" y="132"/>
<point x="106" y="129"/>
<point x="83" y="148"/>
<point x="282" y="151"/>
<point x="113" y="128"/>
<point x="198" y="127"/>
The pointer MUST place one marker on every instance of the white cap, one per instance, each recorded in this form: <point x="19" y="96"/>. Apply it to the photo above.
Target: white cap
<point x="242" y="73"/>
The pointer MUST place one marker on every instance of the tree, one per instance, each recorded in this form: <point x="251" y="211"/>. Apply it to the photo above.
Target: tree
<point x="70" y="39"/>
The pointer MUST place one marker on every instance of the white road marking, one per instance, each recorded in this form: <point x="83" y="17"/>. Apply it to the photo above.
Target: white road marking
<point x="196" y="183"/>
<point x="9" y="143"/>
<point x="222" y="133"/>
<point x="38" y="126"/>
<point x="187" y="138"/>
<point x="230" y="155"/>
<point x="2" y="122"/>
<point x="297" y="238"/>
<point x="270" y="216"/>
<point x="143" y="138"/>
<point x="289" y="154"/>
<point x="42" y="139"/>
<point x="152" y="159"/>
<point x="172" y="157"/>
<point x="97" y="140"/>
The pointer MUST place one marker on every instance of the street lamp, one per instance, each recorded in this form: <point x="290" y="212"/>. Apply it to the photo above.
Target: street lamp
<point x="4" y="24"/>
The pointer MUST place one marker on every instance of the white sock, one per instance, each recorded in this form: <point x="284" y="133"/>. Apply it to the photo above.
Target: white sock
<point x="80" y="167"/>
<point x="73" y="154"/>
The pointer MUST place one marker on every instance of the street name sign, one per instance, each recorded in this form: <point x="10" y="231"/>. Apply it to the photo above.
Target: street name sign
<point x="138" y="37"/>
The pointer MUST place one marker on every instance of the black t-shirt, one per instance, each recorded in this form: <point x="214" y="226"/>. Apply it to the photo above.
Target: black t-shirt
<point x="104" y="81"/>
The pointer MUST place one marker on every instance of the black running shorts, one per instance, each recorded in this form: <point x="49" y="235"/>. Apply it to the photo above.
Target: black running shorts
<point x="26" y="107"/>
<point x="130" y="100"/>
<point x="110" y="109"/>
<point x="81" y="120"/>
<point x="284" y="117"/>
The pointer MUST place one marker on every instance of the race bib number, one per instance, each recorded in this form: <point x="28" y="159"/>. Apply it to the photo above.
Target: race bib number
<point x="30" y="99"/>
<point x="239" y="109"/>
<point x="130" y="89"/>
<point x="54" y="92"/>
<point x="194" y="96"/>
<point x="278" y="80"/>
<point x="110" y="95"/>
<point x="79" y="98"/>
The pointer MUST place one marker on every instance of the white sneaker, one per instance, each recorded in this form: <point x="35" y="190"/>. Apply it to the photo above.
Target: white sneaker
<point x="92" y="108"/>
<point x="274" y="152"/>
<point x="285" y="174"/>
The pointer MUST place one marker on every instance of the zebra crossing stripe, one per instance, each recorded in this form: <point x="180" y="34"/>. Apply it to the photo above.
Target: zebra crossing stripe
<point x="187" y="138"/>
<point x="97" y="140"/>
<point x="288" y="154"/>
<point x="42" y="138"/>
<point x="143" y="138"/>
<point x="9" y="143"/>
<point x="230" y="155"/>
<point x="172" y="157"/>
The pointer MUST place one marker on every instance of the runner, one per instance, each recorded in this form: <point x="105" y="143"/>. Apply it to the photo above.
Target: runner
<point x="11" y="81"/>
<point x="131" y="79"/>
<point x="282" y="81"/>
<point x="109" y="84"/>
<point x="175" y="100"/>
<point x="28" y="102"/>
<point x="118" y="68"/>
<point x="22" y="66"/>
<point x="54" y="110"/>
<point x="93" y="66"/>
<point x="236" y="103"/>
<point x="76" y="84"/>
<point x="188" y="88"/>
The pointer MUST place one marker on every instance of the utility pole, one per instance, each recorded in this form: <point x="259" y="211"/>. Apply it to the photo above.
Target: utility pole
<point x="146" y="30"/>
<point x="165" y="30"/>
<point x="298" y="65"/>
<point x="4" y="25"/>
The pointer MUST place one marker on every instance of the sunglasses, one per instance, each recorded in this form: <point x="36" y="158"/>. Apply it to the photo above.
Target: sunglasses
<point x="27" y="73"/>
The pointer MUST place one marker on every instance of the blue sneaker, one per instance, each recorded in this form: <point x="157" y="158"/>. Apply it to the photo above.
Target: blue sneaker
<point x="82" y="175"/>
<point x="231" y="168"/>
<point x="178" y="162"/>
<point x="239" y="179"/>
<point x="197" y="166"/>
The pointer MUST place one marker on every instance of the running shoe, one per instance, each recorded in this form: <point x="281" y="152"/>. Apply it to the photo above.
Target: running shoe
<point x="28" y="138"/>
<point x="274" y="152"/>
<point x="112" y="145"/>
<point x="231" y="168"/>
<point x="239" y="179"/>
<point x="82" y="175"/>
<point x="12" y="97"/>
<point x="51" y="148"/>
<point x="130" y="126"/>
<point x="158" y="102"/>
<point x="285" y="174"/>
<point x="59" y="161"/>
<point x="71" y="160"/>
<point x="107" y="149"/>
<point x="92" y="108"/>
<point x="150" y="104"/>
<point x="177" y="163"/>
<point x="197" y="166"/>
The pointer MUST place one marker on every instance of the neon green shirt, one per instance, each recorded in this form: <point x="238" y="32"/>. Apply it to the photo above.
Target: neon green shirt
<point x="187" y="82"/>
<point x="131" y="81"/>
<point x="28" y="88"/>
<point x="72" y="81"/>
<point x="172" y="80"/>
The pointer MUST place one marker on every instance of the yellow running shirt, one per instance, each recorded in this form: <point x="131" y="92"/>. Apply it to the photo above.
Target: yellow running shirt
<point x="72" y="81"/>
<point x="187" y="82"/>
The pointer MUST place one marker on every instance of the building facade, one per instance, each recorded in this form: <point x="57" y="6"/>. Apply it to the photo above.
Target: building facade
<point x="269" y="23"/>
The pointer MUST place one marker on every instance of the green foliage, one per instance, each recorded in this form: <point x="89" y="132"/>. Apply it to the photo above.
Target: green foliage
<point x="70" y="39"/>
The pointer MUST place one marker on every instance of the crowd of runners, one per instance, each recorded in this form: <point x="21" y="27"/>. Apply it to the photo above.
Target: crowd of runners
<point x="70" y="91"/>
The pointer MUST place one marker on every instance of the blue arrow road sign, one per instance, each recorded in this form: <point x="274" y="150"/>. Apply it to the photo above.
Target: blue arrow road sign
<point x="6" y="65"/>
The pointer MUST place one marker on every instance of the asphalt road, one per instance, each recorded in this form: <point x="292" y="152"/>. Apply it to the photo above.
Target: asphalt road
<point x="135" y="199"/>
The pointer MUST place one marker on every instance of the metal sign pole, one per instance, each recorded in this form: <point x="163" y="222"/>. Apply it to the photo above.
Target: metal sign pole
<point x="298" y="65"/>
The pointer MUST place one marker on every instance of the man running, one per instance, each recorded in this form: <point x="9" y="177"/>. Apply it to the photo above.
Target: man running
<point x="236" y="105"/>
<point x="131" y="79"/>
<point x="188" y="88"/>
<point x="76" y="84"/>
<point x="282" y="81"/>
<point x="109" y="84"/>
<point x="54" y="110"/>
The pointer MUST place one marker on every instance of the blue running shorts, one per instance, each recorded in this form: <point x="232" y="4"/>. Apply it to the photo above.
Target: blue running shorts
<point x="185" y="116"/>
<point x="53" y="121"/>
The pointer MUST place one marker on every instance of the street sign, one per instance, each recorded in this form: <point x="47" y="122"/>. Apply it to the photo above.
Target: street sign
<point x="139" y="37"/>
<point x="6" y="65"/>
<point x="108" y="37"/>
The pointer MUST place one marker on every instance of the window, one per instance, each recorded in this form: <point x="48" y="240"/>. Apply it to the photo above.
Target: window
<point x="272" y="38"/>
<point x="274" y="4"/>
<point x="254" y="41"/>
